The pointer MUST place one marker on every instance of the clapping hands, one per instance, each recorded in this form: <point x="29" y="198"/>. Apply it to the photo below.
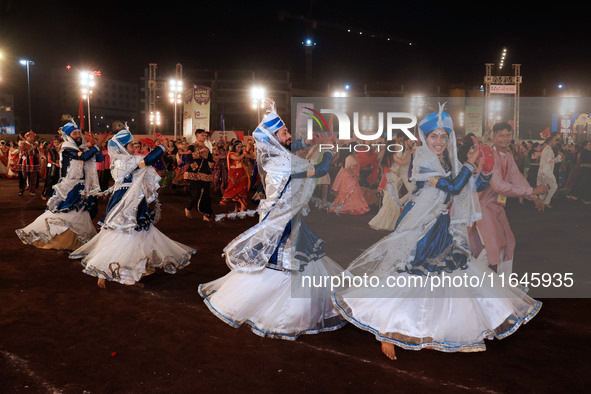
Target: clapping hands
<point x="484" y="153"/>
<point x="102" y="137"/>
<point x="89" y="137"/>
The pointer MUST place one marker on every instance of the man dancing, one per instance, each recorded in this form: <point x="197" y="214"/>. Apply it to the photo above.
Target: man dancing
<point x="493" y="234"/>
<point x="266" y="262"/>
<point x="200" y="177"/>
<point x="546" y="172"/>
<point x="67" y="222"/>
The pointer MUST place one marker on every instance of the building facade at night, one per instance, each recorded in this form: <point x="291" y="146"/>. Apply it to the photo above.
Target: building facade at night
<point x="230" y="94"/>
<point x="110" y="100"/>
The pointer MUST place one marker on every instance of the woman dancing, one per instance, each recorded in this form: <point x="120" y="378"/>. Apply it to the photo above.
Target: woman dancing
<point x="238" y="178"/>
<point x="430" y="241"/>
<point x="129" y="246"/>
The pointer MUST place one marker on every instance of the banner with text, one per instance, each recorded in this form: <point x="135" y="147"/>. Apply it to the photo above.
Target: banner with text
<point x="197" y="109"/>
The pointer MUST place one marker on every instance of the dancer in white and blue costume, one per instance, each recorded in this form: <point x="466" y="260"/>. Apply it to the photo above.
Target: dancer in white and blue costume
<point x="430" y="240"/>
<point x="67" y="222"/>
<point x="129" y="246"/>
<point x="268" y="261"/>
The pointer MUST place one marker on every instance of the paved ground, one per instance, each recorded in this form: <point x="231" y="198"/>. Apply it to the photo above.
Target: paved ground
<point x="60" y="333"/>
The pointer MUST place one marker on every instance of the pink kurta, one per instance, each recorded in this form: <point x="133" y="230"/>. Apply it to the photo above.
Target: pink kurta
<point x="494" y="227"/>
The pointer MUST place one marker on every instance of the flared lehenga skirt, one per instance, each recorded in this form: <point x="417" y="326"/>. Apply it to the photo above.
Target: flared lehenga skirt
<point x="453" y="319"/>
<point x="59" y="230"/>
<point x="264" y="300"/>
<point x="126" y="257"/>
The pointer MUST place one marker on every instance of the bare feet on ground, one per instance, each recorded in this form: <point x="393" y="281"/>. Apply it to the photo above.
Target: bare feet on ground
<point x="388" y="350"/>
<point x="138" y="284"/>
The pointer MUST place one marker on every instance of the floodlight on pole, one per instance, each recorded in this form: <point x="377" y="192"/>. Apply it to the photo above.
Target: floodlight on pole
<point x="175" y="87"/>
<point x="257" y="94"/>
<point x="27" y="63"/>
<point x="86" y="84"/>
<point x="154" y="118"/>
<point x="503" y="55"/>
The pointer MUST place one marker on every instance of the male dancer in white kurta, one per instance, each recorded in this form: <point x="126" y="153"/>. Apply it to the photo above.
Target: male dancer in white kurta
<point x="269" y="260"/>
<point x="546" y="172"/>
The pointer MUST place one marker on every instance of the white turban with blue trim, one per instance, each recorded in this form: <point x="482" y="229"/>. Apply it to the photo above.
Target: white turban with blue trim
<point x="69" y="127"/>
<point x="122" y="162"/>
<point x="120" y="139"/>
<point x="270" y="124"/>
<point x="272" y="156"/>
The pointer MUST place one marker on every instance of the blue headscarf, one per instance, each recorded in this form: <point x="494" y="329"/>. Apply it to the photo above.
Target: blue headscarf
<point x="436" y="120"/>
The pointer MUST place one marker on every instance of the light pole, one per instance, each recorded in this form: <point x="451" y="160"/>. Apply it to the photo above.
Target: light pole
<point x="28" y="63"/>
<point x="309" y="45"/>
<point x="175" y="87"/>
<point x="257" y="94"/>
<point x="87" y="83"/>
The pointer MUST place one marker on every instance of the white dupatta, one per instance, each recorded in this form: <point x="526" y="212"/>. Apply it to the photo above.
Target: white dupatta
<point x="285" y="198"/>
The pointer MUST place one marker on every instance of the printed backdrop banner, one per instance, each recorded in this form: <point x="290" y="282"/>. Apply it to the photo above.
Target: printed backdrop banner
<point x="565" y="121"/>
<point x="474" y="120"/>
<point x="503" y="89"/>
<point x="197" y="109"/>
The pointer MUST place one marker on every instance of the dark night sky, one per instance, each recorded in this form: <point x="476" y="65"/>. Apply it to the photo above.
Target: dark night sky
<point x="450" y="43"/>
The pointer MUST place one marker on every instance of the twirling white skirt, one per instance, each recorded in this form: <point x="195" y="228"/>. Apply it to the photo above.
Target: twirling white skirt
<point x="458" y="319"/>
<point x="126" y="257"/>
<point x="61" y="230"/>
<point x="264" y="300"/>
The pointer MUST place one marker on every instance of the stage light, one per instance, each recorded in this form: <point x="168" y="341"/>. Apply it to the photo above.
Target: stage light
<point x="175" y="87"/>
<point x="86" y="82"/>
<point x="257" y="94"/>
